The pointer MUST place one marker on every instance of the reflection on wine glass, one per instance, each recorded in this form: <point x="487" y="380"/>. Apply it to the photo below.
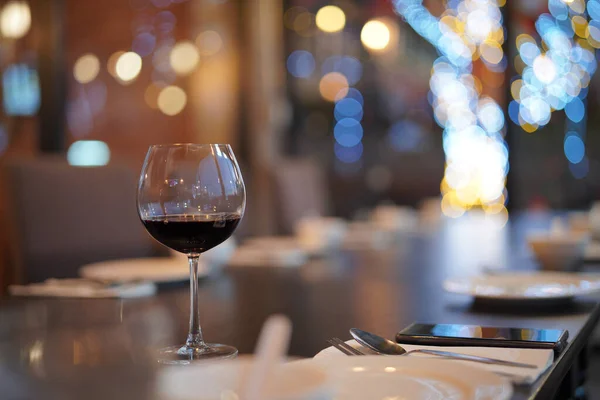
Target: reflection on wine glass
<point x="191" y="198"/>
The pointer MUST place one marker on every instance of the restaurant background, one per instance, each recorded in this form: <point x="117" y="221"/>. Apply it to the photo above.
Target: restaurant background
<point x="353" y="94"/>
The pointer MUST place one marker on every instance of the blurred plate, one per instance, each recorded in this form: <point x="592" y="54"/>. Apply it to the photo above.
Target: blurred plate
<point x="376" y="378"/>
<point x="158" y="270"/>
<point x="519" y="286"/>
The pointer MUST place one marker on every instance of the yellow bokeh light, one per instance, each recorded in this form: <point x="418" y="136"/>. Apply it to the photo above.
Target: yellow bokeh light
<point x="86" y="68"/>
<point x="515" y="89"/>
<point x="579" y="25"/>
<point x="128" y="66"/>
<point x="375" y="35"/>
<point x="330" y="19"/>
<point x="290" y="16"/>
<point x="171" y="100"/>
<point x="491" y="52"/>
<point x="527" y="127"/>
<point x="111" y="65"/>
<point x="333" y="85"/>
<point x="209" y="43"/>
<point x="151" y="96"/>
<point x="451" y="207"/>
<point x="15" y="19"/>
<point x="524" y="38"/>
<point x="497" y="35"/>
<point x="184" y="58"/>
<point x="303" y="22"/>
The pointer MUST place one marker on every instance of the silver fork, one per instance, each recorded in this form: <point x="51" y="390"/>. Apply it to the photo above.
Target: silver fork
<point x="355" y="352"/>
<point x="345" y="347"/>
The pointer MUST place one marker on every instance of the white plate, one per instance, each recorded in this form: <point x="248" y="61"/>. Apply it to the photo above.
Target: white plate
<point x="526" y="286"/>
<point x="377" y="378"/>
<point x="159" y="270"/>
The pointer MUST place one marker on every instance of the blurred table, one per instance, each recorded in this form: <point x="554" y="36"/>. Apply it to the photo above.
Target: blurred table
<point x="98" y="349"/>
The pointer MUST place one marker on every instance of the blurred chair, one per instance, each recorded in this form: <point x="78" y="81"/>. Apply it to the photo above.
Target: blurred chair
<point x="301" y="191"/>
<point x="63" y="217"/>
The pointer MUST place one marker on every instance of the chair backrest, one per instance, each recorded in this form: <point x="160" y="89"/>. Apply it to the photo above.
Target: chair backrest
<point x="63" y="217"/>
<point x="300" y="191"/>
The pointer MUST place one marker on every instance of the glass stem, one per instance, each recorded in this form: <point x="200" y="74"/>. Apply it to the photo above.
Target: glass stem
<point x="194" y="339"/>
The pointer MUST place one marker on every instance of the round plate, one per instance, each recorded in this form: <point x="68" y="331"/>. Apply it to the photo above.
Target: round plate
<point x="159" y="270"/>
<point x="526" y="286"/>
<point x="377" y="377"/>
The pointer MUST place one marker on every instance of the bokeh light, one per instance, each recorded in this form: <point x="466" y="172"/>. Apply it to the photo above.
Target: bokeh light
<point x="330" y="19"/>
<point x="491" y="52"/>
<point x="351" y="93"/>
<point x="375" y="35"/>
<point x="86" y="68"/>
<point x="406" y="136"/>
<point x="301" y="64"/>
<point x="151" y="96"/>
<point x="348" y="154"/>
<point x="128" y="66"/>
<point x="111" y="65"/>
<point x="88" y="153"/>
<point x="350" y="67"/>
<point x="209" y="43"/>
<point x="144" y="44"/>
<point x="348" y="108"/>
<point x="348" y="132"/>
<point x="15" y="19"/>
<point x="574" y="148"/>
<point x="171" y="100"/>
<point x="476" y="154"/>
<point x="333" y="85"/>
<point x="184" y="58"/>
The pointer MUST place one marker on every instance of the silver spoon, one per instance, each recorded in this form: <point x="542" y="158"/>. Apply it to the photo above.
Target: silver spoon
<point x="387" y="347"/>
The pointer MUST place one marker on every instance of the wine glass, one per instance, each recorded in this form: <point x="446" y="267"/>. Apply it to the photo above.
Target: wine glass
<point x="190" y="198"/>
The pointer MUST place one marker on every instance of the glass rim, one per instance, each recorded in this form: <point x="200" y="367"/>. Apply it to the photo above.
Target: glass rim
<point x="165" y="145"/>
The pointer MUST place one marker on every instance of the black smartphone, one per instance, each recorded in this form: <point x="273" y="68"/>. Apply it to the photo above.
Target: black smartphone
<point x="472" y="335"/>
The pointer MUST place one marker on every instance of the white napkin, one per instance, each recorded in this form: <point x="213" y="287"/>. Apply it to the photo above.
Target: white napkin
<point x="541" y="358"/>
<point x="83" y="288"/>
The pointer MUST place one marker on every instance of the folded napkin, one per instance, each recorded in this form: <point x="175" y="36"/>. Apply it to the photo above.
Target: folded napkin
<point x="83" y="288"/>
<point x="541" y="358"/>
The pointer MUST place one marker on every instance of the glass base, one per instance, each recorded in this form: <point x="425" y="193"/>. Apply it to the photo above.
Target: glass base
<point x="182" y="355"/>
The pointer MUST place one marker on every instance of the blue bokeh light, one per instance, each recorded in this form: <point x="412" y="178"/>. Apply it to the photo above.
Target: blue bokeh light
<point x="351" y="94"/>
<point x="406" y="136"/>
<point x="348" y="132"/>
<point x="581" y="169"/>
<point x="513" y="112"/>
<point x="575" y="110"/>
<point x="348" y="108"/>
<point x="348" y="155"/>
<point x="574" y="148"/>
<point x="528" y="52"/>
<point x="491" y="117"/>
<point x="301" y="64"/>
<point x="593" y="9"/>
<point x="558" y="9"/>
<point x="144" y="44"/>
<point x="350" y="67"/>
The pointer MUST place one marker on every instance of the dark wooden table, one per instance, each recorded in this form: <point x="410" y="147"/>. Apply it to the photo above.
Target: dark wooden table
<point x="100" y="349"/>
